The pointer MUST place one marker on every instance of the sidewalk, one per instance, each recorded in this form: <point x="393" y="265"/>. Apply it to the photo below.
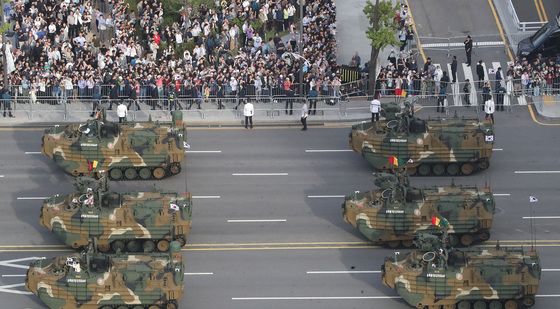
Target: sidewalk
<point x="547" y="106"/>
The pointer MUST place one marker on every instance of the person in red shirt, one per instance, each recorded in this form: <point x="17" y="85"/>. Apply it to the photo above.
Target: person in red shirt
<point x="156" y="38"/>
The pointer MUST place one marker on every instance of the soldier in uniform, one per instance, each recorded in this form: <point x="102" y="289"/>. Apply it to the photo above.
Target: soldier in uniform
<point x="89" y="198"/>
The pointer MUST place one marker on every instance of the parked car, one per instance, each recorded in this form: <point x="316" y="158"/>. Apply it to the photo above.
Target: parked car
<point x="546" y="41"/>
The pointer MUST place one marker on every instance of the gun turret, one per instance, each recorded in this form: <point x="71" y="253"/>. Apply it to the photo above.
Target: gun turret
<point x="81" y="184"/>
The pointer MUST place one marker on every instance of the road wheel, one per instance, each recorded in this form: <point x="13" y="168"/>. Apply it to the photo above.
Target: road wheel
<point x="407" y="243"/>
<point x="528" y="301"/>
<point x="171" y="306"/>
<point x="411" y="170"/>
<point x="122" y="307"/>
<point x="438" y="169"/>
<point x="133" y="246"/>
<point x="145" y="173"/>
<point x="393" y="244"/>
<point x="495" y="304"/>
<point x="158" y="173"/>
<point x="117" y="245"/>
<point x="138" y="307"/>
<point x="511" y="304"/>
<point x="483" y="164"/>
<point x="467" y="169"/>
<point x="115" y="174"/>
<point x="154" y="307"/>
<point x="464" y="305"/>
<point x="130" y="173"/>
<point x="175" y="168"/>
<point x="424" y="170"/>
<point x="479" y="304"/>
<point x="163" y="245"/>
<point x="453" y="169"/>
<point x="453" y="240"/>
<point x="148" y="246"/>
<point x="484" y="235"/>
<point x="466" y="240"/>
<point x="106" y="307"/>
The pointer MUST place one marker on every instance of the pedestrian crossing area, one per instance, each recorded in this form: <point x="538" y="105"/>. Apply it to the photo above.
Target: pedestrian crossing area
<point x="456" y="95"/>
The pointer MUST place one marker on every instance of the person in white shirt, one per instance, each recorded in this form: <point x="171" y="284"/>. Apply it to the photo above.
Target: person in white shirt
<point x="489" y="108"/>
<point x="122" y="111"/>
<point x="248" y="112"/>
<point x="304" y="114"/>
<point x="374" y="108"/>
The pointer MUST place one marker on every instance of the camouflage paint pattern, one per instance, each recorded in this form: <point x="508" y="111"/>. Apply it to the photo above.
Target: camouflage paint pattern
<point x="97" y="280"/>
<point x="460" y="278"/>
<point x="133" y="150"/>
<point x="395" y="213"/>
<point x="453" y="146"/>
<point x="139" y="217"/>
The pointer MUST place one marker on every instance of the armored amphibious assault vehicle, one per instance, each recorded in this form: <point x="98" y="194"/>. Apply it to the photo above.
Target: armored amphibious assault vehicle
<point x="445" y="146"/>
<point x="94" y="280"/>
<point x="437" y="276"/>
<point x="117" y="222"/>
<point x="395" y="213"/>
<point x="127" y="151"/>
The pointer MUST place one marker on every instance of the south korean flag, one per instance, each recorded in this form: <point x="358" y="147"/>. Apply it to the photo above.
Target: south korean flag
<point x="174" y="206"/>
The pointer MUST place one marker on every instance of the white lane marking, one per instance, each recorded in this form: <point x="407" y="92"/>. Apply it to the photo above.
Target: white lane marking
<point x="329" y="150"/>
<point x="259" y="174"/>
<point x="33" y="152"/>
<point x="254" y="220"/>
<point x="32" y="197"/>
<point x="203" y="151"/>
<point x="198" y="274"/>
<point x="320" y="272"/>
<point x="5" y="276"/>
<point x="537" y="172"/>
<point x="205" y="196"/>
<point x="543" y="217"/>
<point x="551" y="269"/>
<point x="11" y="263"/>
<point x="485" y="72"/>
<point x="7" y="289"/>
<point x="1" y="176"/>
<point x="521" y="100"/>
<point x="341" y="196"/>
<point x="316" y="298"/>
<point x="458" y="44"/>
<point x="498" y="149"/>
<point x="338" y="297"/>
<point x="495" y="66"/>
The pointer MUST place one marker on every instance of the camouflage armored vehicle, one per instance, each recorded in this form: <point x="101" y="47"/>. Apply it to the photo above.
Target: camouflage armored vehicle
<point x="128" y="222"/>
<point x="437" y="276"/>
<point x="454" y="146"/>
<point x="128" y="151"/>
<point x="396" y="212"/>
<point x="93" y="280"/>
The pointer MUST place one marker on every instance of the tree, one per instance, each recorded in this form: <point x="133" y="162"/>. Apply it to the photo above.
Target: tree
<point x="381" y="33"/>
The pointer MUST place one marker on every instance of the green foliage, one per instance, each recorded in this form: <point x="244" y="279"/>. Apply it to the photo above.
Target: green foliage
<point x="383" y="27"/>
<point x="5" y="28"/>
<point x="171" y="11"/>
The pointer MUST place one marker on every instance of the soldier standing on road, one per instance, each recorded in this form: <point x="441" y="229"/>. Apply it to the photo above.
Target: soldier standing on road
<point x="304" y="114"/>
<point x="122" y="111"/>
<point x="467" y="92"/>
<point x="468" y="49"/>
<point x="444" y="82"/>
<point x="454" y="69"/>
<point x="374" y="108"/>
<point x="480" y="73"/>
<point x="7" y="102"/>
<point x="500" y="94"/>
<point x="248" y="112"/>
<point x="489" y="109"/>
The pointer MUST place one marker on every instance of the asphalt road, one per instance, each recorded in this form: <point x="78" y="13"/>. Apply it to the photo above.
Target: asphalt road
<point x="440" y="22"/>
<point x="531" y="11"/>
<point x="235" y="265"/>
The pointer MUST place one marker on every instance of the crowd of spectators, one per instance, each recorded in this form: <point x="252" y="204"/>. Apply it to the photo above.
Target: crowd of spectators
<point x="537" y="77"/>
<point x="106" y="48"/>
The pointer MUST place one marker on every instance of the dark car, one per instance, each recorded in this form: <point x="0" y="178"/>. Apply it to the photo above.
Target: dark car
<point x="546" y="41"/>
